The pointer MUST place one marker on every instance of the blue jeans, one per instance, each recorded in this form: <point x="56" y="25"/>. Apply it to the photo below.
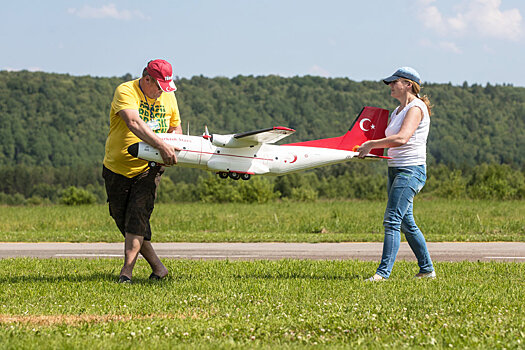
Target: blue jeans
<point x="403" y="184"/>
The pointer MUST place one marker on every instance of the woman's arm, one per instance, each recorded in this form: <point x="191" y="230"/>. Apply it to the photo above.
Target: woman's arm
<point x="409" y="126"/>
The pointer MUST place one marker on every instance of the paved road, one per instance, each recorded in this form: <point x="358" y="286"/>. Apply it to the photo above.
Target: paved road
<point x="493" y="251"/>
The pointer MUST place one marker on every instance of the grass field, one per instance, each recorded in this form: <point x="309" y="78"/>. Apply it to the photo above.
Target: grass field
<point x="75" y="303"/>
<point x="352" y="221"/>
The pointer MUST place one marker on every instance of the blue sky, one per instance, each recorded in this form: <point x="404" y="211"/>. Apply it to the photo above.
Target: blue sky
<point x="477" y="41"/>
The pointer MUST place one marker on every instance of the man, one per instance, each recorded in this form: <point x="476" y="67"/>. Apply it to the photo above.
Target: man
<point x="140" y="109"/>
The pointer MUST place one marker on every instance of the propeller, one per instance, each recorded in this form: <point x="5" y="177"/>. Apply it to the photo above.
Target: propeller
<point x="206" y="134"/>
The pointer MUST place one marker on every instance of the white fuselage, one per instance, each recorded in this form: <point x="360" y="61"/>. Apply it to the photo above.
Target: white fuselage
<point x="258" y="159"/>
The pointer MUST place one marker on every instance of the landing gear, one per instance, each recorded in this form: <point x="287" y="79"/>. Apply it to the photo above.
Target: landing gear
<point x="234" y="176"/>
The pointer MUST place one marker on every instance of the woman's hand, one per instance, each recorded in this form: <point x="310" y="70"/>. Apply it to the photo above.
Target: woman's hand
<point x="364" y="149"/>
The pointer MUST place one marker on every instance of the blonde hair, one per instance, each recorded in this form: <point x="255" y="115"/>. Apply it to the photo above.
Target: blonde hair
<point x="415" y="90"/>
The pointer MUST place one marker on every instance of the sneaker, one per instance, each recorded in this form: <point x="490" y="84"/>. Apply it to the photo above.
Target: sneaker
<point x="426" y="275"/>
<point x="375" y="278"/>
<point x="124" y="279"/>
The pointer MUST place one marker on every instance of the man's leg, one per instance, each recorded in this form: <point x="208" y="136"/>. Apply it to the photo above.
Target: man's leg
<point x="132" y="247"/>
<point x="151" y="257"/>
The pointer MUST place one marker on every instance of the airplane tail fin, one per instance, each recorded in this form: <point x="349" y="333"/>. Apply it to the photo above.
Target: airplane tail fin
<point x="370" y="124"/>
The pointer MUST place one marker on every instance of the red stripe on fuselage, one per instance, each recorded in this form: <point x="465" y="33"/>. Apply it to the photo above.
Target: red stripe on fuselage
<point x="227" y="155"/>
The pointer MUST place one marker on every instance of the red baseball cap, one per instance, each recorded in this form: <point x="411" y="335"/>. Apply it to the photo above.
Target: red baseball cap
<point x="162" y="72"/>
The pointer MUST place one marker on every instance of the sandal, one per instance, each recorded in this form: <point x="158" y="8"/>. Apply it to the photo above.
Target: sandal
<point x="154" y="277"/>
<point x="124" y="279"/>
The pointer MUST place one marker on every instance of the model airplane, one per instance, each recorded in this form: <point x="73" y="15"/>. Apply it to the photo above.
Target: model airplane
<point x="239" y="156"/>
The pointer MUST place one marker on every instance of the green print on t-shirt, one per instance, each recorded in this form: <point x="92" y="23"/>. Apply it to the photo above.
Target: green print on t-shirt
<point x="159" y="114"/>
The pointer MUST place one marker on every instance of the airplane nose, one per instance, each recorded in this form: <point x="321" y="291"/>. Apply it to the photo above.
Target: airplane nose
<point x="134" y="149"/>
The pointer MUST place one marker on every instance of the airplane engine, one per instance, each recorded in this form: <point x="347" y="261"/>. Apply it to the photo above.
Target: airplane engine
<point x="229" y="141"/>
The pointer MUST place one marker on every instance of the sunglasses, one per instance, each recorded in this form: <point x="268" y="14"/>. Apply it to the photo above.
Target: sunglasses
<point x="151" y="79"/>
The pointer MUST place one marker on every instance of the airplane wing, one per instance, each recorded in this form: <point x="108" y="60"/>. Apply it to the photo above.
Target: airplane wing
<point x="269" y="135"/>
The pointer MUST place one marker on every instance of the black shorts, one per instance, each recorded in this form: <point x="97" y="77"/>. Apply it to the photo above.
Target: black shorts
<point x="131" y="200"/>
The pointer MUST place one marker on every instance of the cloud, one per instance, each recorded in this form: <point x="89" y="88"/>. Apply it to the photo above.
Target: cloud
<point x="30" y="69"/>
<point x="473" y="18"/>
<point x="488" y="49"/>
<point x="486" y="17"/>
<point x="441" y="45"/>
<point x="320" y="71"/>
<point x="449" y="46"/>
<point x="106" y="11"/>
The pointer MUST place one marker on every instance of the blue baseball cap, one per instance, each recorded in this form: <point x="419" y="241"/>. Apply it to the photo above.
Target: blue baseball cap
<point x="404" y="72"/>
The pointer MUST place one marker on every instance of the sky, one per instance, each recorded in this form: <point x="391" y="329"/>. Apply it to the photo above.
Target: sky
<point x="446" y="41"/>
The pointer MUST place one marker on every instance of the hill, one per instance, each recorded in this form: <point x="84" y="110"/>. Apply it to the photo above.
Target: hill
<point x="62" y="120"/>
<point x="53" y="129"/>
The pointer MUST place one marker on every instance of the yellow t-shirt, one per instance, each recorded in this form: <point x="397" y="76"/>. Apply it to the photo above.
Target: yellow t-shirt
<point x="128" y="95"/>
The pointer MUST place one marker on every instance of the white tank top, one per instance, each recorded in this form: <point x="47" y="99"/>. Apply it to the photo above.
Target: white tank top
<point x="414" y="152"/>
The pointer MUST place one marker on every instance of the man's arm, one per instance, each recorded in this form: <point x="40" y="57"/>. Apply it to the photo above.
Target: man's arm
<point x="175" y="129"/>
<point x="142" y="131"/>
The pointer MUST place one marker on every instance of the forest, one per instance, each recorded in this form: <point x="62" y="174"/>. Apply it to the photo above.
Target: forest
<point x="53" y="129"/>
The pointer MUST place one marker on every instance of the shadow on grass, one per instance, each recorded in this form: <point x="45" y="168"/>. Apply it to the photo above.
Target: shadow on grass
<point x="80" y="278"/>
<point x="112" y="277"/>
<point x="28" y="278"/>
<point x="290" y="276"/>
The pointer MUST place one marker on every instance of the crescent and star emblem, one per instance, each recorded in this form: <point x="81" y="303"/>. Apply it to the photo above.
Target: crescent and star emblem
<point x="362" y="124"/>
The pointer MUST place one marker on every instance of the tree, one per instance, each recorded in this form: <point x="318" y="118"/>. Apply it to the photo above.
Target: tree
<point x="77" y="196"/>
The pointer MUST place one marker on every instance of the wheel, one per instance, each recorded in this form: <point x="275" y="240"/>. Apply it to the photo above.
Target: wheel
<point x="223" y="175"/>
<point x="245" y="176"/>
<point x="235" y="176"/>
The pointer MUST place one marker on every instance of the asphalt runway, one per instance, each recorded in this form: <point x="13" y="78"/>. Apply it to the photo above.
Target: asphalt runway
<point x="442" y="251"/>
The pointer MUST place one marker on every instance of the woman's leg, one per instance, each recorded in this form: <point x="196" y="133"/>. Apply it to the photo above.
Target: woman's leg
<point x="401" y="192"/>
<point x="417" y="242"/>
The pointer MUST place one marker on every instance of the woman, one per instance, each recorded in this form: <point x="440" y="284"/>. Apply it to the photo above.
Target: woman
<point x="406" y="138"/>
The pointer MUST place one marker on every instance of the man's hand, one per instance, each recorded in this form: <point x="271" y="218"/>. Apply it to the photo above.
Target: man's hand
<point x="168" y="154"/>
<point x="142" y="131"/>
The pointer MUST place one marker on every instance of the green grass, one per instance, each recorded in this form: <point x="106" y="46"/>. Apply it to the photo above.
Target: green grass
<point x="75" y="303"/>
<point x="351" y="221"/>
